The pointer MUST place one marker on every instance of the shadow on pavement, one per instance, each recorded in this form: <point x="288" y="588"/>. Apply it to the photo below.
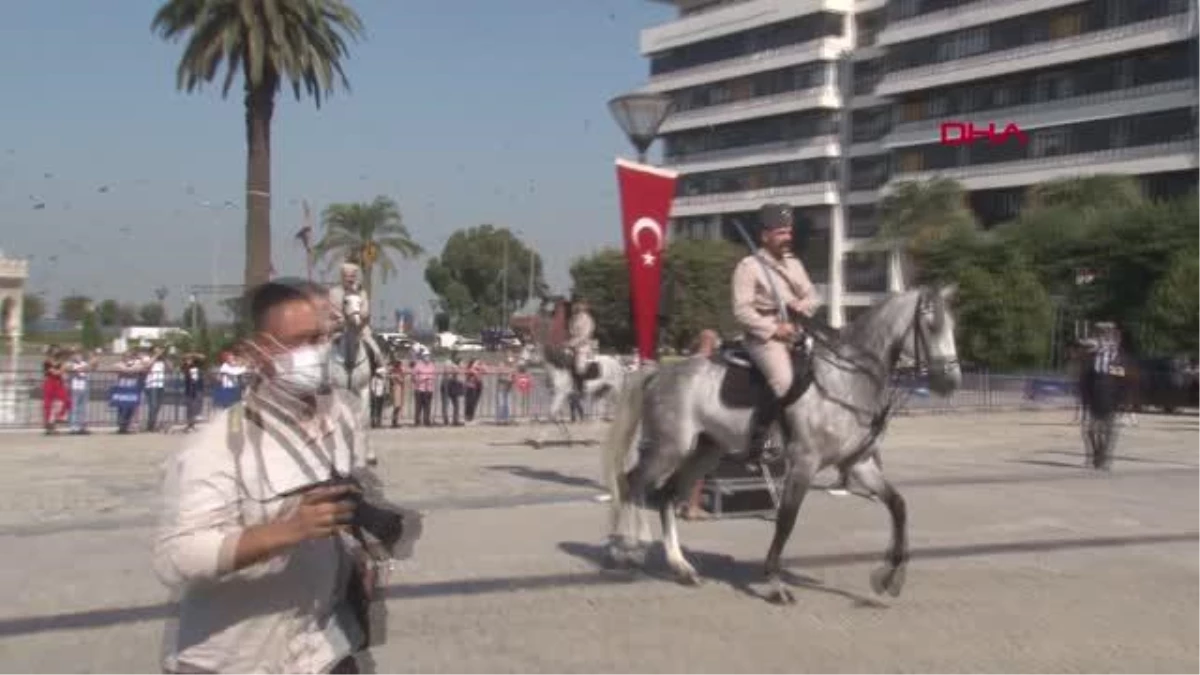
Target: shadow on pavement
<point x="545" y="475"/>
<point x="95" y="618"/>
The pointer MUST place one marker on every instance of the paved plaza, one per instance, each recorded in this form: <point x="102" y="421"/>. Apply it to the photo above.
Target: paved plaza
<point x="1022" y="560"/>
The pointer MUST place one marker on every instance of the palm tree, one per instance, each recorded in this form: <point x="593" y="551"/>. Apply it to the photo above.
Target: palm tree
<point x="365" y="233"/>
<point x="302" y="42"/>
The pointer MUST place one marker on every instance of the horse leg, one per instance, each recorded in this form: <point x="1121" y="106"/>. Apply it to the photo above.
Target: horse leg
<point x="704" y="459"/>
<point x="890" y="577"/>
<point x="796" y="485"/>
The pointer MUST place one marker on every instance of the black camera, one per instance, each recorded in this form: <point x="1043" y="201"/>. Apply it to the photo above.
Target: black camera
<point x="394" y="527"/>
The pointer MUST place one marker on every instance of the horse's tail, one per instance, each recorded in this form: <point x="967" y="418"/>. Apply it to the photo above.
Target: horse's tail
<point x="620" y="436"/>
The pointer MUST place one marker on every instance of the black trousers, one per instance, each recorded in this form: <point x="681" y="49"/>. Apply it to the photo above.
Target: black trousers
<point x="423" y="402"/>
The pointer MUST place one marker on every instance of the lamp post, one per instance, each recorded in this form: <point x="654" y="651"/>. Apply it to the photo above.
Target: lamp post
<point x="640" y="115"/>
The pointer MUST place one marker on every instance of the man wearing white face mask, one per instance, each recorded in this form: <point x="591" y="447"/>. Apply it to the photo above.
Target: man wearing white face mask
<point x="259" y="554"/>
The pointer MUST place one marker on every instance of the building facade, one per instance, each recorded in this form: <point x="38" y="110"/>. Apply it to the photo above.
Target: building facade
<point x="826" y="104"/>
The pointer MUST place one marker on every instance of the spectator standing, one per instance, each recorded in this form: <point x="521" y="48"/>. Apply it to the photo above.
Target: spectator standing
<point x="78" y="372"/>
<point x="379" y="395"/>
<point x="54" y="389"/>
<point x="156" y="382"/>
<point x="473" y="378"/>
<point x="504" y="387"/>
<point x="424" y="375"/>
<point x="399" y="377"/>
<point x="452" y="391"/>
<point x="192" y="371"/>
<point x="127" y="394"/>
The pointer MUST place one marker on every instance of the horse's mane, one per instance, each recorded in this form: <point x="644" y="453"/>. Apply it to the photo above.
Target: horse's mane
<point x="859" y="330"/>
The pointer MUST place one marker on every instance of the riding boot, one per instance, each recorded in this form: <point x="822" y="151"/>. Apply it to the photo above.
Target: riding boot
<point x="761" y="420"/>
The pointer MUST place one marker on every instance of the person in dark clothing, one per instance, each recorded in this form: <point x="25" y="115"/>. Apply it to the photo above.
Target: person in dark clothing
<point x="473" y="388"/>
<point x="192" y="368"/>
<point x="452" y="391"/>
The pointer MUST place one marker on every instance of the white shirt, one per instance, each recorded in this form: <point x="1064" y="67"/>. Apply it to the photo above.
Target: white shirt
<point x="78" y="375"/>
<point x="280" y="615"/>
<point x="229" y="374"/>
<point x="156" y="378"/>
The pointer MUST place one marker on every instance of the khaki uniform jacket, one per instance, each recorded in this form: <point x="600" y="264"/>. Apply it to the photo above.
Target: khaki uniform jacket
<point x="755" y="307"/>
<point x="581" y="330"/>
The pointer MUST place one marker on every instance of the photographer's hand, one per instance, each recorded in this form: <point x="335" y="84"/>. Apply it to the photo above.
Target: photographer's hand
<point x="321" y="513"/>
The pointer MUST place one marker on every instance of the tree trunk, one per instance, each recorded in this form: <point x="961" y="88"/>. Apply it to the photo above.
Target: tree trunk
<point x="260" y="106"/>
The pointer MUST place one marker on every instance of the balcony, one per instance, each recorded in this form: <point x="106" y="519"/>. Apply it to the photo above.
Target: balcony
<point x="1142" y="35"/>
<point x="1101" y="105"/>
<point x="1174" y="156"/>
<point x="767" y="153"/>
<point x="726" y="20"/>
<point x="808" y="194"/>
<point x="825" y="96"/>
<point x="822" y="49"/>
<point x="962" y="16"/>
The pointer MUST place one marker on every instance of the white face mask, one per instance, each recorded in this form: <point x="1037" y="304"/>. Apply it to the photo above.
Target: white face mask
<point x="303" y="371"/>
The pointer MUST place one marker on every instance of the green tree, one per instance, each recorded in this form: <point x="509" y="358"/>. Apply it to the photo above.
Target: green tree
<point x="298" y="42"/>
<point x="195" y="321"/>
<point x="152" y="314"/>
<point x="468" y="277"/>
<point x="696" y="289"/>
<point x="366" y="233"/>
<point x="1005" y="317"/>
<point x="90" y="335"/>
<point x="74" y="307"/>
<point x="33" y="308"/>
<point x="108" y="312"/>
<point x="603" y="278"/>
<point x="1170" y="321"/>
<point x="695" y="293"/>
<point x="1086" y="193"/>
<point x="918" y="219"/>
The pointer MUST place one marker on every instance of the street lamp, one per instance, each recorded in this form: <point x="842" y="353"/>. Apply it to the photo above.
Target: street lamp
<point x="640" y="115"/>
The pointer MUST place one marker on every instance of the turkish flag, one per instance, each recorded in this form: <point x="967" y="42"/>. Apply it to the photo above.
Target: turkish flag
<point x="646" y="194"/>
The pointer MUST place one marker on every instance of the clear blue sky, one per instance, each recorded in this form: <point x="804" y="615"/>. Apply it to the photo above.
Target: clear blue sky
<point x="464" y="111"/>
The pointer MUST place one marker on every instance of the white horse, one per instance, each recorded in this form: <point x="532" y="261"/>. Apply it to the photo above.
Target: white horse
<point x="350" y="365"/>
<point x="606" y="377"/>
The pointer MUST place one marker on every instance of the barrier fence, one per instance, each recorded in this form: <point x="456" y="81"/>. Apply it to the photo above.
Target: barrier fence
<point x="22" y="402"/>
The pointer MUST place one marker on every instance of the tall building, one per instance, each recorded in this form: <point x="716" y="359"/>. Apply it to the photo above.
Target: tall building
<point x="826" y="104"/>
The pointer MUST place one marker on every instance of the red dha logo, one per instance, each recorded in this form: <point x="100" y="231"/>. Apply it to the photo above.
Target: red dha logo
<point x="965" y="133"/>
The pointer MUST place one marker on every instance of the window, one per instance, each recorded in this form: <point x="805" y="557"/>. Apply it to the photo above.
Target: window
<point x="1049" y="142"/>
<point x="911" y="161"/>
<point x="910" y="112"/>
<point x="1065" y="26"/>
<point x="935" y="107"/>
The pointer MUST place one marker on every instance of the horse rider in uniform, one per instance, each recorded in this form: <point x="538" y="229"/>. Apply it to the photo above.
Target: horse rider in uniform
<point x="580" y="333"/>
<point x="757" y="280"/>
<point x="349" y="298"/>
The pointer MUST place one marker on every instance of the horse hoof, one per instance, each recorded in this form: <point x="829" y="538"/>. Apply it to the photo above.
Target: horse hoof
<point x="888" y="579"/>
<point x="372" y="461"/>
<point x="782" y="596"/>
<point x="688" y="577"/>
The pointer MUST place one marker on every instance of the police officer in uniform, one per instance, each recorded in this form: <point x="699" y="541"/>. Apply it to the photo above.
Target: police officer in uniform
<point x="771" y="270"/>
<point x="580" y="333"/>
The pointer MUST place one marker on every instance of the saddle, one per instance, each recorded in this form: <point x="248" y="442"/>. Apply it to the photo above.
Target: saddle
<point x="744" y="384"/>
<point x="592" y="372"/>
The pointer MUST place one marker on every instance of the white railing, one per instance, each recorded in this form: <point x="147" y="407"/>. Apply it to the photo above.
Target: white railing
<point x="1000" y="11"/>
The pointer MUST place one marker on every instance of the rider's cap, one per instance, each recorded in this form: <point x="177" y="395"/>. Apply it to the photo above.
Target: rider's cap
<point x="775" y="216"/>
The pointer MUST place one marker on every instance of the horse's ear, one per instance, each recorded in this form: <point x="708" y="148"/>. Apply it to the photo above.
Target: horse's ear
<point x="949" y="292"/>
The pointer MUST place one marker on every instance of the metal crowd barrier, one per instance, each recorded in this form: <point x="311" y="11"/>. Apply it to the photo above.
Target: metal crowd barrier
<point x="21" y="400"/>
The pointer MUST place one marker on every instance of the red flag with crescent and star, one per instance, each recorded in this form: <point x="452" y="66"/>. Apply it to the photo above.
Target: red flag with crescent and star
<point x="646" y="195"/>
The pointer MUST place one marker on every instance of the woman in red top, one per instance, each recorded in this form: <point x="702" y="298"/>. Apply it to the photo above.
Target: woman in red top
<point x="54" y="389"/>
<point x="474" y="388"/>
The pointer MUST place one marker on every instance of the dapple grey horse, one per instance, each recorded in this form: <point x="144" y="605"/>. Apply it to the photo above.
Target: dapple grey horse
<point x="557" y="361"/>
<point x="350" y="366"/>
<point x="686" y="428"/>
